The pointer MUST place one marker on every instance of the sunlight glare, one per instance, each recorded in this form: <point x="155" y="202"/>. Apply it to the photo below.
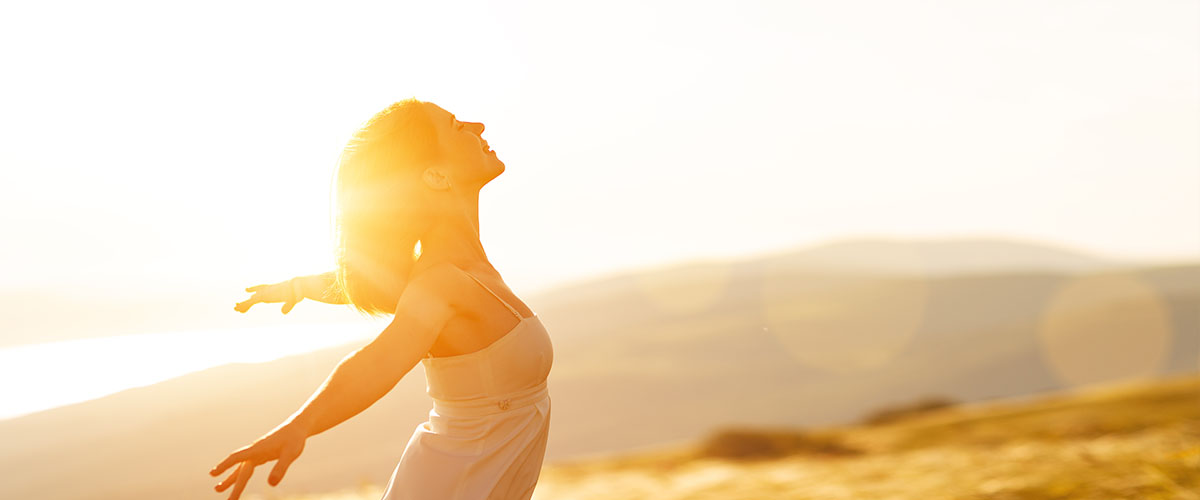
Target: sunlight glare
<point x="78" y="370"/>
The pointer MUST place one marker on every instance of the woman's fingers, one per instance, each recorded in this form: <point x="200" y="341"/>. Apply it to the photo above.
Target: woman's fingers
<point x="278" y="292"/>
<point x="233" y="458"/>
<point x="286" y="457"/>
<point x="243" y="477"/>
<point x="229" y="480"/>
<point x="244" y="305"/>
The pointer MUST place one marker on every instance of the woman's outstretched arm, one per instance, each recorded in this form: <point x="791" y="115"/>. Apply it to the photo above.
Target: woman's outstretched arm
<point x="370" y="372"/>
<point x="318" y="287"/>
<point x="357" y="382"/>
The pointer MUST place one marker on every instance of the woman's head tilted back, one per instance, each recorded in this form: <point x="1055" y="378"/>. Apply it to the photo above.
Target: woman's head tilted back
<point x="396" y="177"/>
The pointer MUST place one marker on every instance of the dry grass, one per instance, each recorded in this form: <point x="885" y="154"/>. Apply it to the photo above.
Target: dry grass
<point x="1161" y="463"/>
<point x="756" y="444"/>
<point x="1134" y="441"/>
<point x="901" y="412"/>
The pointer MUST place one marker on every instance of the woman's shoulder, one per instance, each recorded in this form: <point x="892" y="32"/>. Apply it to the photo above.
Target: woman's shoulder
<point x="444" y="279"/>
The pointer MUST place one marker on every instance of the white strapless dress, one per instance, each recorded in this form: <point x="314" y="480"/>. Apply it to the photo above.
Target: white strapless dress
<point x="486" y="434"/>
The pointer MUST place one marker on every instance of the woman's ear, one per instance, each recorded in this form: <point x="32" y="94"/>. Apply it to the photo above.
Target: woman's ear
<point x="435" y="178"/>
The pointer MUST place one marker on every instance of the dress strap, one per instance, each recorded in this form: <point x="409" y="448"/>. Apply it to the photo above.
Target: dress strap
<point x="485" y="287"/>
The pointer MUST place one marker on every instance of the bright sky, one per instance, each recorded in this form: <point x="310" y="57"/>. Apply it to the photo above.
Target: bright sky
<point x="154" y="141"/>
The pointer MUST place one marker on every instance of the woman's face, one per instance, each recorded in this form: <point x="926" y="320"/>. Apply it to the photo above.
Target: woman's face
<point x="466" y="155"/>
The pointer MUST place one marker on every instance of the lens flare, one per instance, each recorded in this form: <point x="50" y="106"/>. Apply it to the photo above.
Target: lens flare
<point x="1105" y="327"/>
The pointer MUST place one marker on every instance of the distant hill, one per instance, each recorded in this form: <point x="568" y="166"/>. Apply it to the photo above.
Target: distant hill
<point x="941" y="256"/>
<point x="657" y="357"/>
<point x="926" y="257"/>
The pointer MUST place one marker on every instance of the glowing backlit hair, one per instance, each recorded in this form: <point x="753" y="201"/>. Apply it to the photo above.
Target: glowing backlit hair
<point x="381" y="206"/>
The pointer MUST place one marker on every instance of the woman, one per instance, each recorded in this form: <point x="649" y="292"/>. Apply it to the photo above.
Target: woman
<point x="413" y="174"/>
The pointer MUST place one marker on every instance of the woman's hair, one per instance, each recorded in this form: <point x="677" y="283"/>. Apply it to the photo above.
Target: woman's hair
<point x="381" y="209"/>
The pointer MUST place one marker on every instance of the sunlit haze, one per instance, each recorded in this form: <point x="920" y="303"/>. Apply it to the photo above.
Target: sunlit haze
<point x="77" y="370"/>
<point x="149" y="141"/>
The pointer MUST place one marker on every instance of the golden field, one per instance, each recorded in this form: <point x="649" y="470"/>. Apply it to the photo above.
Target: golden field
<point x="1136" y="440"/>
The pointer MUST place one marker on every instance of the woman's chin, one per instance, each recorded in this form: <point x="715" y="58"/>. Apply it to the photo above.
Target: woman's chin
<point x="495" y="171"/>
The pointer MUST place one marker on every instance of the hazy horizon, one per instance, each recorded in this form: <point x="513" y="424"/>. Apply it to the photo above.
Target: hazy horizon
<point x="267" y="335"/>
<point x="134" y="286"/>
<point x="113" y="303"/>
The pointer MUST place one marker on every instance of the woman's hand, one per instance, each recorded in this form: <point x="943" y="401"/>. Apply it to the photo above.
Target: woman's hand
<point x="283" y="444"/>
<point x="289" y="292"/>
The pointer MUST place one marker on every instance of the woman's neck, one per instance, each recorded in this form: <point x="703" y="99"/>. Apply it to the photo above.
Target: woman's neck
<point x="454" y="237"/>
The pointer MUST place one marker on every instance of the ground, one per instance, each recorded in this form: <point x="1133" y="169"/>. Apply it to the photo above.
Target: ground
<point x="1133" y="440"/>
